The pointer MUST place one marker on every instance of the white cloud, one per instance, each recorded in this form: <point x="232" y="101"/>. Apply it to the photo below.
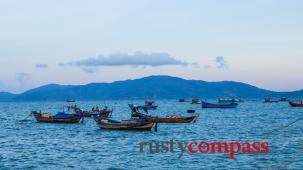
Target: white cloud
<point x="136" y="59"/>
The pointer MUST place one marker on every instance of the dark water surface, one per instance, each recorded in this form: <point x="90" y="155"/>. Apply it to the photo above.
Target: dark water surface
<point x="25" y="144"/>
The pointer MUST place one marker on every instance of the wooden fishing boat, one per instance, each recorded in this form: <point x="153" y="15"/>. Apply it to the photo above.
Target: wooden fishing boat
<point x="210" y="105"/>
<point x="105" y="123"/>
<point x="294" y="104"/>
<point x="60" y="117"/>
<point x="168" y="119"/>
<point x="174" y="119"/>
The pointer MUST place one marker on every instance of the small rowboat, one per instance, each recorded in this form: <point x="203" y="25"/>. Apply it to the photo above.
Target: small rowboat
<point x="293" y="104"/>
<point x="105" y="123"/>
<point x="210" y="105"/>
<point x="60" y="117"/>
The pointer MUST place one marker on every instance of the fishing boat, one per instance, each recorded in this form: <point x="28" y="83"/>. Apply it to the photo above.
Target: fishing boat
<point x="105" y="123"/>
<point x="295" y="104"/>
<point x="210" y="105"/>
<point x="172" y="118"/>
<point x="150" y="104"/>
<point x="60" y="117"/>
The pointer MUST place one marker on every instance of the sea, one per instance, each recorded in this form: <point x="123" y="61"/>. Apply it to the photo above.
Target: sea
<point x="26" y="144"/>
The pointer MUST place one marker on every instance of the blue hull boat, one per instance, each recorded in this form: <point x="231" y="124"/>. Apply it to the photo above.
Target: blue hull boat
<point x="226" y="106"/>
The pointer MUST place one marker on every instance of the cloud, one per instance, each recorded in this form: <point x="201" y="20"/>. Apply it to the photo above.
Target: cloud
<point x="221" y="62"/>
<point x="136" y="59"/>
<point x="41" y="65"/>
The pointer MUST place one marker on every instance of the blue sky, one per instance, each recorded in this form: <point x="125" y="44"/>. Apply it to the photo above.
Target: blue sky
<point x="77" y="42"/>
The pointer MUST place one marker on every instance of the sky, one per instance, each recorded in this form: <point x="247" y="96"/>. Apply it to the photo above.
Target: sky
<point x="258" y="42"/>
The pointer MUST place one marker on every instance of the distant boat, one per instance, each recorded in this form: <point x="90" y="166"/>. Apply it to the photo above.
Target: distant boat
<point x="269" y="100"/>
<point x="60" y="117"/>
<point x="294" y="104"/>
<point x="70" y="101"/>
<point x="210" y="105"/>
<point x="105" y="123"/>
<point x="181" y="100"/>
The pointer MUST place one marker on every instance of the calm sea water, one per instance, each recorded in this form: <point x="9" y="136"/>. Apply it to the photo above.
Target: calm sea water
<point x="25" y="144"/>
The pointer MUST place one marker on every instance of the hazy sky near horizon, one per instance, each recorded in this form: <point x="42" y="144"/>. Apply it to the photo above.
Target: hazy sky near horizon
<point x="258" y="42"/>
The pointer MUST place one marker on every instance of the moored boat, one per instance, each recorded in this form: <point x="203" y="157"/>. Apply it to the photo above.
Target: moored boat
<point x="295" y="104"/>
<point x="105" y="123"/>
<point x="60" y="117"/>
<point x="211" y="105"/>
<point x="168" y="119"/>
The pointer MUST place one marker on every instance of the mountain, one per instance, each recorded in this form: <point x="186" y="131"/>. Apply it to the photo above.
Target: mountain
<point x="5" y="96"/>
<point x="154" y="87"/>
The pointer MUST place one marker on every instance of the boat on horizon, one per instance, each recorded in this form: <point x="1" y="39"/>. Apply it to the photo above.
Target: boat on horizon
<point x="269" y="100"/>
<point x="226" y="106"/>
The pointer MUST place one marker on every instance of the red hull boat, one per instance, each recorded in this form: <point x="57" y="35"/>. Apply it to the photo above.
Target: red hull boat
<point x="293" y="104"/>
